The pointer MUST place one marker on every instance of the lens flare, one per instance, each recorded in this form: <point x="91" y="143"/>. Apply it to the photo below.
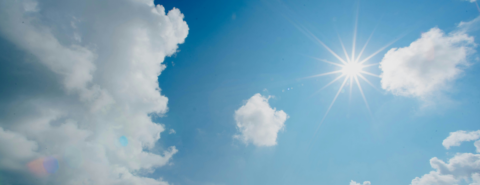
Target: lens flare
<point x="43" y="166"/>
<point x="50" y="164"/>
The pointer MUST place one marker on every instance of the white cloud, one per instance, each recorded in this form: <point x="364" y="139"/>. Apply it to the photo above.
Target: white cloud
<point x="356" y="183"/>
<point x="456" y="138"/>
<point x="428" y="65"/>
<point x="461" y="167"/>
<point x="470" y="26"/>
<point x="105" y="60"/>
<point x="16" y="150"/>
<point x="258" y="123"/>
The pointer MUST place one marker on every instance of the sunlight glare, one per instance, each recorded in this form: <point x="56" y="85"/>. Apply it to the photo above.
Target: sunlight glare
<point x="352" y="69"/>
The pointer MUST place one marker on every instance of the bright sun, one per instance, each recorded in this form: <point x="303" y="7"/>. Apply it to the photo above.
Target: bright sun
<point x="352" y="69"/>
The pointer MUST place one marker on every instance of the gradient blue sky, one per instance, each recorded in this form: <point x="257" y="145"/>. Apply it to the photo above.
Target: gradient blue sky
<point x="226" y="60"/>
<point x="237" y="48"/>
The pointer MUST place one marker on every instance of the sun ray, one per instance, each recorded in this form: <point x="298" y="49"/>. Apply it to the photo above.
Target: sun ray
<point x="378" y="51"/>
<point x="351" y="69"/>
<point x="306" y="32"/>
<point x="333" y="81"/>
<point x="368" y="82"/>
<point x="326" y="47"/>
<point x="344" y="50"/>
<point x="368" y="40"/>
<point x="349" y="96"/>
<point x="325" y="74"/>
<point x="365" y="46"/>
<point x="309" y="34"/>
<point x="331" y="104"/>
<point x="368" y="73"/>
<point x="368" y="65"/>
<point x="363" y="95"/>
<point x="350" y="92"/>
<point x="326" y="61"/>
<point x="355" y="35"/>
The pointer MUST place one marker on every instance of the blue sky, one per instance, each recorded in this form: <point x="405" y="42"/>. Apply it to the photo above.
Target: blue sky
<point x="218" y="58"/>
<point x="261" y="49"/>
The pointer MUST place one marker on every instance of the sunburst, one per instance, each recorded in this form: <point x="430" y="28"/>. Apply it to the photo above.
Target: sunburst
<point x="352" y="67"/>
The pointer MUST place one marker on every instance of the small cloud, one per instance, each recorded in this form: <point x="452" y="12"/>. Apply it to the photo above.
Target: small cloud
<point x="172" y="131"/>
<point x="356" y="183"/>
<point x="259" y="123"/>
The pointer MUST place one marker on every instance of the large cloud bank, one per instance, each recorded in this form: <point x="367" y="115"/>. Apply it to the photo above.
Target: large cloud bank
<point x="461" y="167"/>
<point x="428" y="65"/>
<point x="259" y="123"/>
<point x="89" y="121"/>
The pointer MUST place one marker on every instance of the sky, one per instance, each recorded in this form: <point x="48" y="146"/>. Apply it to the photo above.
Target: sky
<point x="182" y="92"/>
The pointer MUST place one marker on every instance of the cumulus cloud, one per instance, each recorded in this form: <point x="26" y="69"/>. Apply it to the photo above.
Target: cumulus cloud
<point x="258" y="123"/>
<point x="428" y="65"/>
<point x="456" y="138"/>
<point x="461" y="167"/>
<point x="356" y="183"/>
<point x="90" y="119"/>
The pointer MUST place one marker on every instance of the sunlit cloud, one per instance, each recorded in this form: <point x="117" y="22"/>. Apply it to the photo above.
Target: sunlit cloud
<point x="258" y="123"/>
<point x="428" y="65"/>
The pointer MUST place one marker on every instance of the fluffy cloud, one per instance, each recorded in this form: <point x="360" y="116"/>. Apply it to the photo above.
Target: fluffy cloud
<point x="456" y="138"/>
<point x="356" y="183"/>
<point x="258" y="123"/>
<point x="427" y="65"/>
<point x="463" y="166"/>
<point x="90" y="119"/>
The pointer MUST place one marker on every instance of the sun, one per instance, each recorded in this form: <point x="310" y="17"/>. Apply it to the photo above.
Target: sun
<point x="352" y="69"/>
